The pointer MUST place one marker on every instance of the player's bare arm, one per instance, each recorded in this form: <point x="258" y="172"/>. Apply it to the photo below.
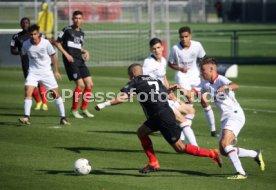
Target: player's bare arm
<point x="122" y="97"/>
<point x="231" y="86"/>
<point x="64" y="52"/>
<point x="177" y="68"/>
<point x="54" y="59"/>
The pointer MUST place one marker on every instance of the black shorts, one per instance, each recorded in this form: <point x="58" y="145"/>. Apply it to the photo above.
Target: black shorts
<point x="165" y="122"/>
<point x="76" y="71"/>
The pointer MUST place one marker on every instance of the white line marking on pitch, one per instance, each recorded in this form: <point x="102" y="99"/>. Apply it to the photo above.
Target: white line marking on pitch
<point x="55" y="127"/>
<point x="260" y="110"/>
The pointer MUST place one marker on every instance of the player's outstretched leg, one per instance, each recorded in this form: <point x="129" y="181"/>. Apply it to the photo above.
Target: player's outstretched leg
<point x="153" y="164"/>
<point x="198" y="151"/>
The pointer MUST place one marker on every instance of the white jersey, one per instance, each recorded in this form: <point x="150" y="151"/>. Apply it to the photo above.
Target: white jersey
<point x="39" y="55"/>
<point x="187" y="57"/>
<point x="225" y="102"/>
<point x="154" y="68"/>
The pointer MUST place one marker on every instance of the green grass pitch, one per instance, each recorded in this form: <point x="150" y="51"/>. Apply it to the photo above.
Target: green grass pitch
<point x="41" y="156"/>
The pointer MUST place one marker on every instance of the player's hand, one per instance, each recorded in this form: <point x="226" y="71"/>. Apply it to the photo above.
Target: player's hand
<point x="86" y="56"/>
<point x="58" y="76"/>
<point x="184" y="69"/>
<point x="69" y="58"/>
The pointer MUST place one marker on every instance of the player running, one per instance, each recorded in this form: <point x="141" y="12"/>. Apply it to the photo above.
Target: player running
<point x="70" y="43"/>
<point x="15" y="49"/>
<point x="41" y="54"/>
<point x="232" y="117"/>
<point x="183" y="58"/>
<point x="155" y="66"/>
<point x="152" y="95"/>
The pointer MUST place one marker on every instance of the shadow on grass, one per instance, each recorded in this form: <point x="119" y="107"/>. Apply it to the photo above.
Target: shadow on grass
<point x="124" y="132"/>
<point x="187" y="172"/>
<point x="115" y="172"/>
<point x="93" y="172"/>
<point x="97" y="149"/>
<point x="15" y="124"/>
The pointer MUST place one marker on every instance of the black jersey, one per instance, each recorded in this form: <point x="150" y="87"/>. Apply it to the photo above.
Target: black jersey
<point x="18" y="39"/>
<point x="151" y="93"/>
<point x="17" y="42"/>
<point x="72" y="42"/>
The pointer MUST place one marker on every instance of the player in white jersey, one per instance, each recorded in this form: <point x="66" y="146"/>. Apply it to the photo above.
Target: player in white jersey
<point x="41" y="54"/>
<point x="232" y="117"/>
<point x="183" y="58"/>
<point x="155" y="66"/>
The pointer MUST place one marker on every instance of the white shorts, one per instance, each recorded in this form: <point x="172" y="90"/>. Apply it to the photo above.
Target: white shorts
<point x="47" y="79"/>
<point x="189" y="84"/>
<point x="173" y="104"/>
<point x="234" y="123"/>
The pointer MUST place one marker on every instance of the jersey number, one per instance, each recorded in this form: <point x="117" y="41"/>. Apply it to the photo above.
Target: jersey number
<point x="156" y="85"/>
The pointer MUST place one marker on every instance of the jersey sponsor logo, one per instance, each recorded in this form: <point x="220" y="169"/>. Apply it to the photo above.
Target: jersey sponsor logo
<point x="73" y="45"/>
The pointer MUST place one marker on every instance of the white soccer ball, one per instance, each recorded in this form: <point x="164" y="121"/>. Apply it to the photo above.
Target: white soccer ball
<point x="82" y="167"/>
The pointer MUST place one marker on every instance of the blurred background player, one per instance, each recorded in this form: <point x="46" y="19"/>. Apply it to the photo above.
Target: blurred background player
<point x="183" y="58"/>
<point x="41" y="54"/>
<point x="155" y="66"/>
<point x="15" y="49"/>
<point x="232" y="117"/>
<point x="45" y="21"/>
<point x="70" y="43"/>
<point x="160" y="117"/>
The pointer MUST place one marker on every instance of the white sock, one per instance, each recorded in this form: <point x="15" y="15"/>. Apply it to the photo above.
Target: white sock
<point x="27" y="106"/>
<point x="209" y="114"/>
<point x="246" y="153"/>
<point x="182" y="136"/>
<point x="233" y="156"/>
<point x="188" y="132"/>
<point x="60" y="106"/>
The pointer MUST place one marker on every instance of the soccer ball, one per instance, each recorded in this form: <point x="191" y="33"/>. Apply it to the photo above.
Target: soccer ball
<point x="82" y="166"/>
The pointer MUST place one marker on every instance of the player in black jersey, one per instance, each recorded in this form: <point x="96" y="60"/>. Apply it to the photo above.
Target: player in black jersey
<point x="70" y="43"/>
<point x="15" y="49"/>
<point x="152" y="95"/>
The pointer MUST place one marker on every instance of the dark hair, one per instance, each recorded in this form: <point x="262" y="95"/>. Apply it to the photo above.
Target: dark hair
<point x="209" y="60"/>
<point x="132" y="66"/>
<point x="154" y="41"/>
<point x="77" y="12"/>
<point x="33" y="28"/>
<point x="184" y="29"/>
<point x="23" y="19"/>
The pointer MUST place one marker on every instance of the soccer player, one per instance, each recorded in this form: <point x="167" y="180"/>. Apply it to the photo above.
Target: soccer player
<point x="15" y="49"/>
<point x="70" y="43"/>
<point x="183" y="58"/>
<point x="41" y="54"/>
<point x="152" y="95"/>
<point x="232" y="117"/>
<point x="155" y="66"/>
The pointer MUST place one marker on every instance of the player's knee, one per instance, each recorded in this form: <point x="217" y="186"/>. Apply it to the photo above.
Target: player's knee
<point x="90" y="85"/>
<point x="222" y="152"/>
<point x="204" y="104"/>
<point x="81" y="86"/>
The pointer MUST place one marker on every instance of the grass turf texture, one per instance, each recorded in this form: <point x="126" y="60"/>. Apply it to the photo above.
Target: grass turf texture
<point x="40" y="156"/>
